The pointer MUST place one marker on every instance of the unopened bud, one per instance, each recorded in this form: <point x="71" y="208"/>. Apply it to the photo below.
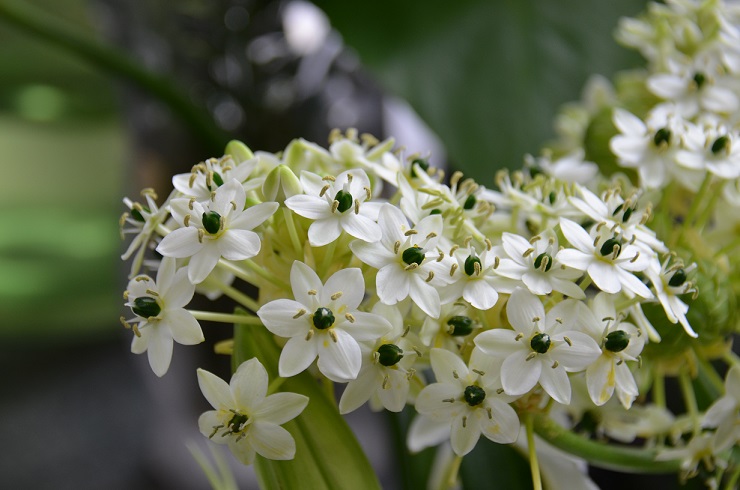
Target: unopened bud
<point x="280" y="184"/>
<point x="238" y="151"/>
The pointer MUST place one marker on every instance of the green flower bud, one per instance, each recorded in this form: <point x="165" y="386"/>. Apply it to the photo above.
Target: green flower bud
<point x="460" y="326"/>
<point x="413" y="255"/>
<point x="323" y="318"/>
<point x="474" y="395"/>
<point x="280" y="184"/>
<point x="617" y="341"/>
<point x="212" y="222"/>
<point x="146" y="307"/>
<point x="345" y="201"/>
<point x="389" y="354"/>
<point x="540" y="343"/>
<point x="238" y="151"/>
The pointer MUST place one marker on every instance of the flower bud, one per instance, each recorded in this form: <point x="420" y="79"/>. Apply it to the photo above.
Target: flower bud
<point x="238" y="151"/>
<point x="280" y="184"/>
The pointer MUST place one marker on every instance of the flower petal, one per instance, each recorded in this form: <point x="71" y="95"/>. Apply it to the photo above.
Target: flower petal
<point x="280" y="407"/>
<point x="272" y="441"/>
<point x="159" y="350"/>
<point x="522" y="308"/>
<point x="279" y="317"/>
<point x="239" y="244"/>
<point x="359" y="390"/>
<point x="464" y="433"/>
<point x="248" y="385"/>
<point x="350" y="283"/>
<point x="447" y="366"/>
<point x="254" y="216"/>
<point x="601" y="380"/>
<point x="361" y="227"/>
<point x="556" y="383"/>
<point x="215" y="390"/>
<point x="339" y="360"/>
<point x="303" y="279"/>
<point x="180" y="243"/>
<point x="518" y="375"/>
<point x="297" y="355"/>
<point x="324" y="231"/>
<point x="503" y="425"/>
<point x="203" y="263"/>
<point x="183" y="327"/>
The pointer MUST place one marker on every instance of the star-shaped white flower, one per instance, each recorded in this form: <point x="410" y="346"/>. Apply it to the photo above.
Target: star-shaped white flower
<point x="323" y="321"/>
<point x="160" y="314"/>
<point x="724" y="413"/>
<point x="406" y="259"/>
<point x="206" y="177"/>
<point x="468" y="400"/>
<point x="336" y="205"/>
<point x="475" y="279"/>
<point x="142" y="221"/>
<point x="386" y="367"/>
<point x="245" y="418"/>
<point x="608" y="259"/>
<point x="215" y="229"/>
<point x="669" y="282"/>
<point x="532" y="264"/>
<point x="541" y="349"/>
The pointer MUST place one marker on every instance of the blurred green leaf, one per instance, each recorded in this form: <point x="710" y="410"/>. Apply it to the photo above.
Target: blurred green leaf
<point x="487" y="76"/>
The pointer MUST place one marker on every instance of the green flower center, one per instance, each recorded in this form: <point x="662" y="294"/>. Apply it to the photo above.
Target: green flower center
<point x="146" y="307"/>
<point x="323" y="318"/>
<point x="237" y="422"/>
<point x="460" y="326"/>
<point x="413" y="255"/>
<point x="543" y="257"/>
<point x="470" y="202"/>
<point x="720" y="144"/>
<point x="435" y="211"/>
<point x="662" y="137"/>
<point x="136" y="214"/>
<point x="470" y="264"/>
<point x="389" y="354"/>
<point x="627" y="212"/>
<point x="540" y="343"/>
<point x="699" y="79"/>
<point x="345" y="201"/>
<point x="617" y="341"/>
<point x="608" y="247"/>
<point x="474" y="395"/>
<point x="678" y="278"/>
<point x="217" y="179"/>
<point x="212" y="222"/>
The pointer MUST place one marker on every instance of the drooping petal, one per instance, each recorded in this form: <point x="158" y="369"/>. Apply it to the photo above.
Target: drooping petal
<point x="464" y="433"/>
<point x="279" y="317"/>
<point x="159" y="350"/>
<point x="601" y="380"/>
<point x="518" y="375"/>
<point x="272" y="441"/>
<point x="298" y="353"/>
<point x="203" y="263"/>
<point x="215" y="390"/>
<point x="556" y="383"/>
<point x="359" y="390"/>
<point x="249" y="384"/>
<point x="280" y="408"/>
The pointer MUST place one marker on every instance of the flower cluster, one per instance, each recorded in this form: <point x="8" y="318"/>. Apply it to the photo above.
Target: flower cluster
<point x="481" y="307"/>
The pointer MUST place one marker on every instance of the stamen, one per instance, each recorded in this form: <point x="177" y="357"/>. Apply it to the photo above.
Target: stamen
<point x="496" y="262"/>
<point x="453" y="249"/>
<point x="528" y="252"/>
<point x="309" y="334"/>
<point x="368" y="194"/>
<point x="186" y="221"/>
<point x="357" y="206"/>
<point x="455" y="375"/>
<point x="478" y="372"/>
<point x="333" y="335"/>
<point x="633" y="259"/>
<point x="411" y="267"/>
<point x="429" y="277"/>
<point x="191" y="182"/>
<point x="190" y="203"/>
<point x="519" y="336"/>
<point x="499" y="391"/>
<point x="453" y="268"/>
<point x="324" y="189"/>
<point x="410" y="373"/>
<point x="554" y="364"/>
<point x="464" y="421"/>
<point x="151" y="292"/>
<point x="534" y="239"/>
<point x="449" y="400"/>
<point x="440" y="257"/>
<point x="396" y="246"/>
<point x="336" y="295"/>
<point x="233" y="205"/>
<point x="489" y="411"/>
<point x="489" y="245"/>
<point x="531" y="356"/>
<point x="300" y="313"/>
<point x="431" y="235"/>
<point x="349" y="317"/>
<point x="410" y="232"/>
<point x="312" y="292"/>
<point x="201" y="234"/>
<point x="568" y="341"/>
<point x="386" y="382"/>
<point x="330" y="178"/>
<point x="416" y="351"/>
<point x="334" y="206"/>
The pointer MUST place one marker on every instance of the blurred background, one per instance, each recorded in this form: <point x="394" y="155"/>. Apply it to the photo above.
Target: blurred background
<point x="101" y="98"/>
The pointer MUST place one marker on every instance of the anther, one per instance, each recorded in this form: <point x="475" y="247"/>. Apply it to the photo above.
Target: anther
<point x="368" y="194"/>
<point x="499" y="391"/>
<point x="440" y="257"/>
<point x="489" y="411"/>
<point x="330" y="178"/>
<point x="309" y="334"/>
<point x="431" y="235"/>
<point x="201" y="234"/>
<point x="191" y="182"/>
<point x="568" y="341"/>
<point x="410" y="232"/>
<point x="186" y="221"/>
<point x="300" y="313"/>
<point x="411" y="267"/>
<point x="554" y="364"/>
<point x="478" y="372"/>
<point x="519" y="336"/>
<point x="333" y="335"/>
<point x="464" y="421"/>
<point x="349" y="317"/>
<point x="233" y="205"/>
<point x="453" y="268"/>
<point x="496" y="262"/>
<point x="336" y="295"/>
<point x="455" y="375"/>
<point x="429" y="277"/>
<point x="386" y="382"/>
<point x="531" y="356"/>
<point x="449" y="400"/>
<point x="334" y="206"/>
<point x="534" y="239"/>
<point x="151" y="292"/>
<point x="396" y="246"/>
<point x="357" y="206"/>
<point x="312" y="292"/>
<point x="528" y="252"/>
<point x="633" y="259"/>
<point x="190" y="203"/>
<point x="489" y="245"/>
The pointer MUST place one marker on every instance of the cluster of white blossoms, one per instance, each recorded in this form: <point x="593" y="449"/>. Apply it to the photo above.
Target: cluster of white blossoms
<point x="480" y="307"/>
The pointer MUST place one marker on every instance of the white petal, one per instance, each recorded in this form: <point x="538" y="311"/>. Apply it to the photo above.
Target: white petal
<point x="582" y="350"/>
<point x="395" y="394"/>
<point x="429" y="401"/>
<point x="203" y="263"/>
<point x="480" y="294"/>
<point x="373" y="254"/>
<point x="498" y="342"/>
<point x="537" y="282"/>
<point x="518" y="375"/>
<point x="633" y="284"/>
<point x="555" y="382"/>
<point x="605" y="276"/>
<point x="339" y="360"/>
<point x="627" y="122"/>
<point x="184" y="328"/>
<point x="367" y="326"/>
<point x="350" y="283"/>
<point x="392" y="284"/>
<point x="231" y="191"/>
<point x="626" y="387"/>
<point x="503" y="426"/>
<point x="464" y="435"/>
<point x="446" y="365"/>
<point x="180" y="243"/>
<point x="207" y="422"/>
<point x="278" y="318"/>
<point x="159" y="351"/>
<point x="238" y="244"/>
<point x="360" y="390"/>
<point x="165" y="274"/>
<point x="576" y="259"/>
<point x="280" y="407"/>
<point x="254" y="216"/>
<point x="324" y="231"/>
<point x="425" y="296"/>
<point x="576" y="235"/>
<point x="179" y="291"/>
<point x="271" y="441"/>
<point x="568" y="288"/>
<point x="302" y="280"/>
<point x="249" y="384"/>
<point x="426" y="432"/>
<point x="361" y="227"/>
<point x="311" y="207"/>
<point x="523" y="307"/>
<point x="242" y="450"/>
<point x="297" y="355"/>
<point x="515" y="246"/>
<point x="215" y="390"/>
<point x="601" y="380"/>
<point x="392" y="224"/>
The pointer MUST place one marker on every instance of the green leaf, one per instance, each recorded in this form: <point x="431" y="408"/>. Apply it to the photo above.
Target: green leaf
<point x="487" y="77"/>
<point x="327" y="453"/>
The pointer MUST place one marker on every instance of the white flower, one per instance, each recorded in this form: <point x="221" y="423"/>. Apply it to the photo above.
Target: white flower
<point x="246" y="419"/>
<point x="669" y="282"/>
<point x="206" y="177"/>
<point x="724" y="413"/>
<point x="160" y="314"/>
<point x="699" y="449"/>
<point x="570" y="168"/>
<point x="143" y="221"/>
<point x="475" y="279"/>
<point x="215" y="229"/>
<point x="620" y="342"/>
<point x="532" y="264"/>
<point x="451" y="329"/>
<point x="406" y="260"/>
<point x="386" y="367"/>
<point x="337" y="204"/>
<point x="323" y="321"/>
<point x="541" y="348"/>
<point x="468" y="401"/>
<point x="713" y="147"/>
<point x="608" y="259"/>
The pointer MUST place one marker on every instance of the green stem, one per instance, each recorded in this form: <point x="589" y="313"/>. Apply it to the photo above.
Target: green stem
<point x="728" y="248"/>
<point x="35" y="22"/>
<point x="707" y="213"/>
<point x="601" y="454"/>
<point x="293" y="232"/>
<point x="267" y="275"/>
<point x="534" y="463"/>
<point x="689" y="398"/>
<point x="232" y="293"/>
<point x="708" y="376"/>
<point x="732" y="481"/>
<point x="328" y="257"/>
<point x="275" y="385"/>
<point x="659" y="388"/>
<point x="449" y="479"/>
<point x="212" y="316"/>
<point x="695" y="205"/>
